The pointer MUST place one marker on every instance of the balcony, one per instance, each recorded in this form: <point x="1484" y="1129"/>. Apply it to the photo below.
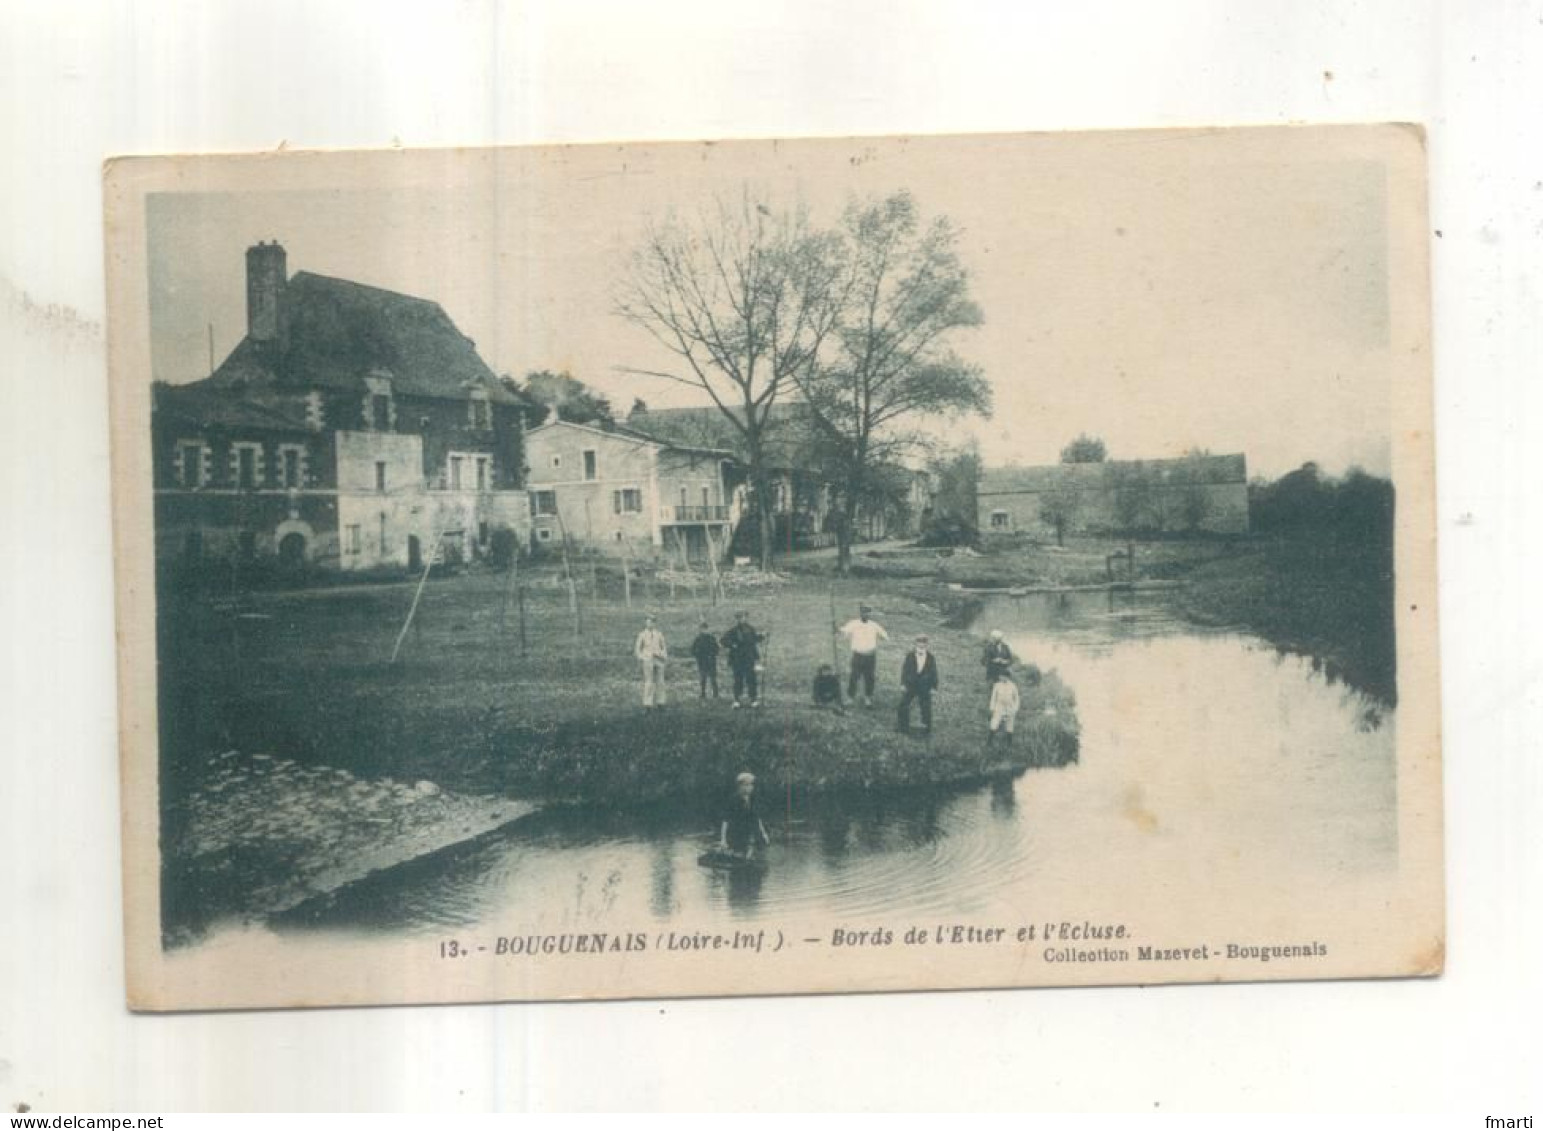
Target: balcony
<point x="684" y="516"/>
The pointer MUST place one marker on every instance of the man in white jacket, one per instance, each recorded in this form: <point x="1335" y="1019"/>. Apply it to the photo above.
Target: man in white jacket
<point x="653" y="653"/>
<point x="863" y="636"/>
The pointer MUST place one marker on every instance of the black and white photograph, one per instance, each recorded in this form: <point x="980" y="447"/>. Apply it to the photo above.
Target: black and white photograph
<point x="763" y="567"/>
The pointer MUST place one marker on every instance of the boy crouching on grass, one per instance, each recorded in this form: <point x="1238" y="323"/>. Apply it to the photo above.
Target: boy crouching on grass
<point x="1004" y="709"/>
<point x="827" y="690"/>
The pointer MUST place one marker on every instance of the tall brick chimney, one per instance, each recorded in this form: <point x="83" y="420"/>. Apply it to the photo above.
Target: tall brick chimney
<point x="266" y="274"/>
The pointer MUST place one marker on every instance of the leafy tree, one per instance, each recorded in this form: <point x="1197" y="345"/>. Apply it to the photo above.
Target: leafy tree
<point x="1085" y="449"/>
<point x="1058" y="507"/>
<point x="953" y="521"/>
<point x="1195" y="505"/>
<point x="568" y="397"/>
<point x="898" y="295"/>
<point x="1135" y="495"/>
<point x="742" y="298"/>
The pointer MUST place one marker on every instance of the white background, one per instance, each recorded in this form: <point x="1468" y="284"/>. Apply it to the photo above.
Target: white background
<point x="81" y="81"/>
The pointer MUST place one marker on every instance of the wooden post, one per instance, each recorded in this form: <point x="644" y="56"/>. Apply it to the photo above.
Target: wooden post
<point x="626" y="574"/>
<point x="835" y="652"/>
<point x="589" y="536"/>
<point x="573" y="589"/>
<point x="685" y="564"/>
<point x="715" y="579"/>
<point x="573" y="608"/>
<point x="514" y="577"/>
<point x="523" y="647"/>
<point x="428" y="564"/>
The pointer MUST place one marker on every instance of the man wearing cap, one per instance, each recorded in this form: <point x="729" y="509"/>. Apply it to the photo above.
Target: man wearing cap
<point x="919" y="679"/>
<point x="743" y="645"/>
<point x="742" y="831"/>
<point x="863" y="636"/>
<point x="998" y="657"/>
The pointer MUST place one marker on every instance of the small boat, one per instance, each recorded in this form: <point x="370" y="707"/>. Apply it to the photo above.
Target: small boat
<point x="720" y="861"/>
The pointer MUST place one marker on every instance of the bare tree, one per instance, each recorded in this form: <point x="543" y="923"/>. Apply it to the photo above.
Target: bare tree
<point x="901" y="293"/>
<point x="742" y="297"/>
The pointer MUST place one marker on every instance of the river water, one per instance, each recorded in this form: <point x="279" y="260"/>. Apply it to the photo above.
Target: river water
<point x="1211" y="765"/>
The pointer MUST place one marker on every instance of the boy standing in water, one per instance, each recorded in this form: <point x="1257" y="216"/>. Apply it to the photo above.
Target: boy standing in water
<point x="742" y="830"/>
<point x="705" y="649"/>
<point x="1004" y="709"/>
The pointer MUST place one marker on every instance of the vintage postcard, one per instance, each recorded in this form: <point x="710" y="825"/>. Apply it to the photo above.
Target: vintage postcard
<point x="766" y="567"/>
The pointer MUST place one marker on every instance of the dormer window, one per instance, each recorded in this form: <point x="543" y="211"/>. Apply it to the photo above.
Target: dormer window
<point x="480" y="410"/>
<point x="379" y="405"/>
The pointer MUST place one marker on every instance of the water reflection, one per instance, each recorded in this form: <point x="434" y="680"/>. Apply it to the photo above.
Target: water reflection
<point x="1206" y="755"/>
<point x="1004" y="798"/>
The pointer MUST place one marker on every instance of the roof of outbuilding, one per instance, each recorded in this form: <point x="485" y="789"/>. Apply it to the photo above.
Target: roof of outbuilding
<point x="1206" y="469"/>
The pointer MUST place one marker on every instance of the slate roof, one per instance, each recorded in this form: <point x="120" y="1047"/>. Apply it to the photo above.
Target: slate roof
<point x="339" y="332"/>
<point x="1014" y="480"/>
<point x="706" y="427"/>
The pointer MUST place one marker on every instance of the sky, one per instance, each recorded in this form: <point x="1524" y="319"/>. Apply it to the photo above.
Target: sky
<point x="1163" y="290"/>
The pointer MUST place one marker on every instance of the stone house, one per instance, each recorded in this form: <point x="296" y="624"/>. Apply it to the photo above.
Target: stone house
<point x="1207" y="493"/>
<point x="624" y="493"/>
<point x="351" y="428"/>
<point x="804" y="497"/>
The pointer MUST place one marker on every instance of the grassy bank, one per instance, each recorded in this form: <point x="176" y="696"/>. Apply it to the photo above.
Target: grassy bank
<point x="1002" y="563"/>
<point x="306" y="676"/>
<point x="1322" y="597"/>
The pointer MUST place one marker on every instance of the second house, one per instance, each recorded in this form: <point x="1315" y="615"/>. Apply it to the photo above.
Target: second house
<point x="623" y="493"/>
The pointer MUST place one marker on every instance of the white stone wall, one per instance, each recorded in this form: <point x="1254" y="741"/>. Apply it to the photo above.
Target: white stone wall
<point x="375" y="527"/>
<point x="587" y="507"/>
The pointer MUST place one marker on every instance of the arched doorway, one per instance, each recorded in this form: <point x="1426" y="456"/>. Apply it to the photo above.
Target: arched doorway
<point x="292" y="552"/>
<point x="295" y="541"/>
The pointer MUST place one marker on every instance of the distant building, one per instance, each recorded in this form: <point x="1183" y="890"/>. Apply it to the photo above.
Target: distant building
<point x="804" y="497"/>
<point x="625" y="493"/>
<point x="351" y="428"/>
<point x="1194" y="493"/>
